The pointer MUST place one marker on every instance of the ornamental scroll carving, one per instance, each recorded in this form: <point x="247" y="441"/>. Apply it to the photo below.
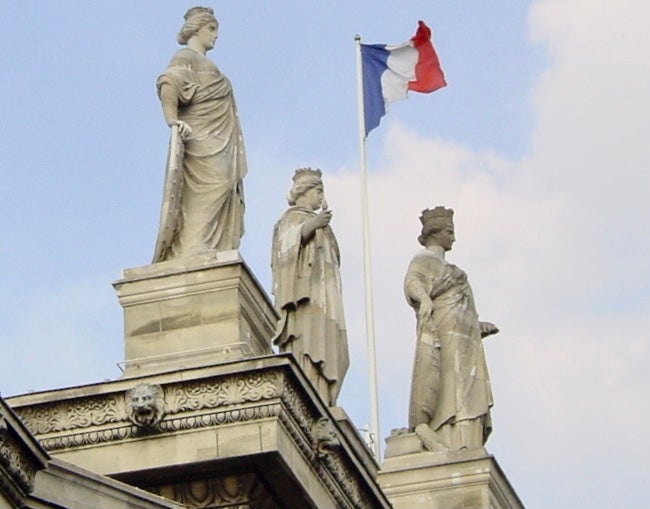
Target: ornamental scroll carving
<point x="110" y="417"/>
<point x="206" y="403"/>
<point x="65" y="416"/>
<point x="229" y="391"/>
<point x="113" y="408"/>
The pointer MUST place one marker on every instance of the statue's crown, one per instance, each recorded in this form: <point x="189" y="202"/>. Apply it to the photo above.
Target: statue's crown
<point x="306" y="173"/>
<point x="194" y="11"/>
<point x="434" y="215"/>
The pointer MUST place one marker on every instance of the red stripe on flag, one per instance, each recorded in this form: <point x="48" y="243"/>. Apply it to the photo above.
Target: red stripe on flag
<point x="428" y="74"/>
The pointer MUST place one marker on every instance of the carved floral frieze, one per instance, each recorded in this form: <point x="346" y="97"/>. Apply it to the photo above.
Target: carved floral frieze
<point x="196" y="404"/>
<point x="70" y="415"/>
<point x="230" y="390"/>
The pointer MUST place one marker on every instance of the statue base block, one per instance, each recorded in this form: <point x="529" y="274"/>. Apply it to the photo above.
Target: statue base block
<point x="193" y="312"/>
<point x="468" y="479"/>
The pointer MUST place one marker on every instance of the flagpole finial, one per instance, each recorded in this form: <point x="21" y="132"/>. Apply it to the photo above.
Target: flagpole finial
<point x="357" y="38"/>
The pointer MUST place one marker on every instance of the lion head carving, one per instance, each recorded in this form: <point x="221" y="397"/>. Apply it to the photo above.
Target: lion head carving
<point x="324" y="437"/>
<point x="145" y="405"/>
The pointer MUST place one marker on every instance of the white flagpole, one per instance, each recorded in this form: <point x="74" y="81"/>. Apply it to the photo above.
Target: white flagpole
<point x="370" y="321"/>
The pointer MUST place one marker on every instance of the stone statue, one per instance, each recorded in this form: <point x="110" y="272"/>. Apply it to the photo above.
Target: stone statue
<point x="307" y="286"/>
<point x="450" y="392"/>
<point x="203" y="206"/>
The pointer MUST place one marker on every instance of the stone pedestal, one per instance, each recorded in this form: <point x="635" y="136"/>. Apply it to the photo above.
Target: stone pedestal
<point x="444" y="480"/>
<point x="193" y="312"/>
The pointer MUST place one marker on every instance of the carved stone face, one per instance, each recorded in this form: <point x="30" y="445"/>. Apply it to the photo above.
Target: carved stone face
<point x="313" y="199"/>
<point x="145" y="405"/>
<point x="444" y="238"/>
<point x="208" y="34"/>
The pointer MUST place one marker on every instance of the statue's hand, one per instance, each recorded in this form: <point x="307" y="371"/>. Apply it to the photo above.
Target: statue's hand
<point x="183" y="129"/>
<point x="425" y="310"/>
<point x="322" y="219"/>
<point x="487" y="329"/>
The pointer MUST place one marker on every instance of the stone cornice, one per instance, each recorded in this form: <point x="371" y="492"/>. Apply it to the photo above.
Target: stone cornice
<point x="251" y="390"/>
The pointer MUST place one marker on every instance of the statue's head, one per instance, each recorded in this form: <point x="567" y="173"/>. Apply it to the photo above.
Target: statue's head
<point x="304" y="179"/>
<point x="195" y="18"/>
<point x="437" y="222"/>
<point x="145" y="405"/>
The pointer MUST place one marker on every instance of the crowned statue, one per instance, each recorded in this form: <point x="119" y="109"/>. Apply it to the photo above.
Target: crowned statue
<point x="450" y="391"/>
<point x="307" y="286"/>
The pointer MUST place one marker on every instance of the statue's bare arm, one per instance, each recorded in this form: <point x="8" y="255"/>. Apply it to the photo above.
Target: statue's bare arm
<point x="169" y="101"/>
<point x="417" y="294"/>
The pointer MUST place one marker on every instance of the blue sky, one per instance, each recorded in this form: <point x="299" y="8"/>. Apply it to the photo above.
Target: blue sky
<point x="538" y="143"/>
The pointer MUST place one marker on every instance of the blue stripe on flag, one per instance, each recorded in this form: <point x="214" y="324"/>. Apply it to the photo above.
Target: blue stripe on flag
<point x="374" y="59"/>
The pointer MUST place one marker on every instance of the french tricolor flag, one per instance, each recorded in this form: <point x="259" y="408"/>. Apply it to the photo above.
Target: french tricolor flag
<point x="389" y="72"/>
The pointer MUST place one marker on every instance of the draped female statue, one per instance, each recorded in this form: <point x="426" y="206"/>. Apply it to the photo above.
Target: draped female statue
<point x="450" y="392"/>
<point x="307" y="286"/>
<point x="203" y="206"/>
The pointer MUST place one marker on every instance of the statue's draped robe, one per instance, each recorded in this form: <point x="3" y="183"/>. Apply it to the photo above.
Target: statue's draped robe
<point x="214" y="164"/>
<point x="464" y="393"/>
<point x="307" y="289"/>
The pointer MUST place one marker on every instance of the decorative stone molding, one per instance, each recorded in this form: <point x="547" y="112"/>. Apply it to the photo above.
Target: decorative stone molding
<point x="221" y="417"/>
<point x="70" y="415"/>
<point x="231" y="390"/>
<point x="15" y="459"/>
<point x="88" y="438"/>
<point x="256" y="394"/>
<point x="105" y="410"/>
<point x="145" y="405"/>
<point x="241" y="491"/>
<point x="334" y="468"/>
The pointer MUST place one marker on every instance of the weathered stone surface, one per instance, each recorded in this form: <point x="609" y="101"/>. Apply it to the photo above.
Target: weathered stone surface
<point x="450" y="391"/>
<point x="30" y="478"/>
<point x="255" y="416"/>
<point x="242" y="490"/>
<point x="203" y="202"/>
<point x="447" y="480"/>
<point x="20" y="458"/>
<point x="192" y="312"/>
<point x="65" y="485"/>
<point x="307" y="286"/>
<point x="145" y="405"/>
